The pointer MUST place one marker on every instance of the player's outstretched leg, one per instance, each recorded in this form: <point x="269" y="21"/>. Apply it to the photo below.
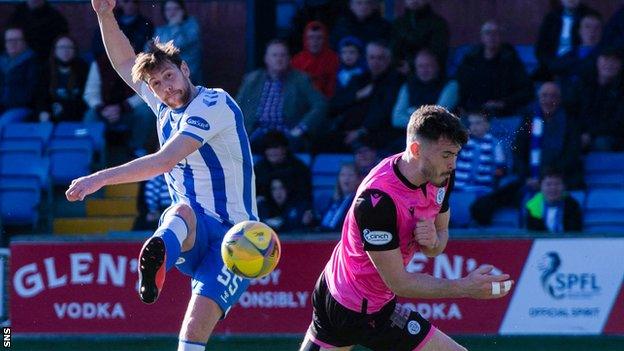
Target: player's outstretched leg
<point x="160" y="252"/>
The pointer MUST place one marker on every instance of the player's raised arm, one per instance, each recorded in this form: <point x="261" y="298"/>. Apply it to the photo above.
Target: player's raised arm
<point x="118" y="48"/>
<point x="137" y="170"/>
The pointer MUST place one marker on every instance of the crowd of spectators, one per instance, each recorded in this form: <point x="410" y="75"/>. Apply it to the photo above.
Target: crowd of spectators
<point x="349" y="85"/>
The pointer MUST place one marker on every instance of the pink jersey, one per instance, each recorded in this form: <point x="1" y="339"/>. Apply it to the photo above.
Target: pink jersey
<point x="383" y="216"/>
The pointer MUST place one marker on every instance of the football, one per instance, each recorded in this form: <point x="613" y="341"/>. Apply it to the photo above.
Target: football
<point x="251" y="249"/>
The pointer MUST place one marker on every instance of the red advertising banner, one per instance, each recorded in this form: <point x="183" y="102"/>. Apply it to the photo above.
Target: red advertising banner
<point x="68" y="287"/>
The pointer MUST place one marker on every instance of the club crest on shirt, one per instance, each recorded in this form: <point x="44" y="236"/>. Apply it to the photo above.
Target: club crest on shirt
<point x="198" y="122"/>
<point x="440" y="195"/>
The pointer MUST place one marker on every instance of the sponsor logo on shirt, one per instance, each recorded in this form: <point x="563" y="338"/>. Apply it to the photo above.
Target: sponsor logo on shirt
<point x="440" y="196"/>
<point x="198" y="122"/>
<point x="180" y="260"/>
<point x="413" y="327"/>
<point x="377" y="237"/>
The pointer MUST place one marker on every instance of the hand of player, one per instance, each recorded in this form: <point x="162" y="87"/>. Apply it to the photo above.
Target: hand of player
<point x="103" y="6"/>
<point x="479" y="284"/>
<point x="83" y="186"/>
<point x="426" y="234"/>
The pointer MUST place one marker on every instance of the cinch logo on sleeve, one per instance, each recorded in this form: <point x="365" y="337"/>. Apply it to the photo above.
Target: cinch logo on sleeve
<point x="377" y="237"/>
<point x="198" y="122"/>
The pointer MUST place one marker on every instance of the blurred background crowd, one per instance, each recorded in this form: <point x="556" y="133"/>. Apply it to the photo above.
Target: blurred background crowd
<point x="331" y="95"/>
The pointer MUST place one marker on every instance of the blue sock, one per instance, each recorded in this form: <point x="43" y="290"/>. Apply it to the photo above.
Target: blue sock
<point x="173" y="230"/>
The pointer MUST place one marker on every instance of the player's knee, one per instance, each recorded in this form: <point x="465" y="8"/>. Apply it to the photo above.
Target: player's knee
<point x="185" y="211"/>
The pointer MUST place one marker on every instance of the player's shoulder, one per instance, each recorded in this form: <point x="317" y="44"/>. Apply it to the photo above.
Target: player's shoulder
<point x="374" y="200"/>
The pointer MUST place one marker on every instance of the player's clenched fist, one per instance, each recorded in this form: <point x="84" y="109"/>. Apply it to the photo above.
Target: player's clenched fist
<point x="479" y="284"/>
<point x="82" y="187"/>
<point x="426" y="234"/>
<point x="103" y="6"/>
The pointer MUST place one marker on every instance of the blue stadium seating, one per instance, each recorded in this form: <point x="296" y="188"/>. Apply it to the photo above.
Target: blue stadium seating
<point x="305" y="158"/>
<point x="25" y="165"/>
<point x="28" y="131"/>
<point x="32" y="147"/>
<point x="604" y="170"/>
<point x="460" y="202"/>
<point x="326" y="167"/>
<point x="19" y="201"/>
<point x="579" y="196"/>
<point x="76" y="130"/>
<point x="505" y="218"/>
<point x="527" y="56"/>
<point x="321" y="198"/>
<point x="69" y="159"/>
<point x="603" y="211"/>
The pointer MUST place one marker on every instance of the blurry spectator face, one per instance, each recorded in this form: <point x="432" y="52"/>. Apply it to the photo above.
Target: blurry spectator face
<point x="33" y="4"/>
<point x="14" y="42"/>
<point x="315" y="40"/>
<point x="427" y="68"/>
<point x="416" y="4"/>
<point x="552" y="187"/>
<point x="348" y="179"/>
<point x="64" y="50"/>
<point x="549" y="97"/>
<point x="275" y="155"/>
<point x="129" y="7"/>
<point x="174" y="13"/>
<point x="570" y="4"/>
<point x="362" y="9"/>
<point x="365" y="157"/>
<point x="490" y="36"/>
<point x="590" y="30"/>
<point x="171" y="84"/>
<point x="378" y="59"/>
<point x="609" y="67"/>
<point x="277" y="59"/>
<point x="479" y="125"/>
<point x="349" y="55"/>
<point x="278" y="192"/>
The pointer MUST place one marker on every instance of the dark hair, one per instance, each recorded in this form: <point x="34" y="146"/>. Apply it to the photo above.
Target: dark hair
<point x="273" y="139"/>
<point x="611" y="52"/>
<point x="551" y="171"/>
<point x="432" y="122"/>
<point x="592" y="14"/>
<point x="180" y="3"/>
<point x="277" y="41"/>
<point x="155" y="56"/>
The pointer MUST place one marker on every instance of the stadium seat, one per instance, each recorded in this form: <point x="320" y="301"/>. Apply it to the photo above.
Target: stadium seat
<point x="456" y="57"/>
<point x="70" y="159"/>
<point x="28" y="131"/>
<point x="322" y="198"/>
<point x="505" y="218"/>
<point x="32" y="147"/>
<point x="604" y="170"/>
<point x="25" y="165"/>
<point x="579" y="196"/>
<point x="527" y="56"/>
<point x="76" y="130"/>
<point x="603" y="210"/>
<point x="19" y="201"/>
<point x="460" y="202"/>
<point x="305" y="158"/>
<point x="329" y="164"/>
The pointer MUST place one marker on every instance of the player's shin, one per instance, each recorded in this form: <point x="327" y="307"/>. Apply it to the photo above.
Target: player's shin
<point x="173" y="230"/>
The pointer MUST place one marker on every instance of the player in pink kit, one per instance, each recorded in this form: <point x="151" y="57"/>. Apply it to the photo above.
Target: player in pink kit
<point x="400" y="207"/>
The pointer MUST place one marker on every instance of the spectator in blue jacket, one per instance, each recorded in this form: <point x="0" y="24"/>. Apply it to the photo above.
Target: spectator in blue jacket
<point x="19" y="78"/>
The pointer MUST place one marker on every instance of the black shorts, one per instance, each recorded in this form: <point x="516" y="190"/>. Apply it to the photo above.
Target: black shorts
<point x="391" y="328"/>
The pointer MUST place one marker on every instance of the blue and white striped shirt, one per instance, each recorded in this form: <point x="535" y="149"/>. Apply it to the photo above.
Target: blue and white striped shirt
<point x="477" y="163"/>
<point x="218" y="178"/>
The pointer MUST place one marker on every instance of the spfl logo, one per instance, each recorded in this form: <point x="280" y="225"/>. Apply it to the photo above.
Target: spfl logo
<point x="561" y="285"/>
<point x="198" y="122"/>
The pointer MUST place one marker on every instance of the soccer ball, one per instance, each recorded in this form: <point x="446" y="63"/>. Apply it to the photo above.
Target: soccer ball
<point x="251" y="249"/>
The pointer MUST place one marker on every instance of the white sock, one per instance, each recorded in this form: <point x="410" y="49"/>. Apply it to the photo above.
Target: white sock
<point x="190" y="346"/>
<point x="177" y="225"/>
